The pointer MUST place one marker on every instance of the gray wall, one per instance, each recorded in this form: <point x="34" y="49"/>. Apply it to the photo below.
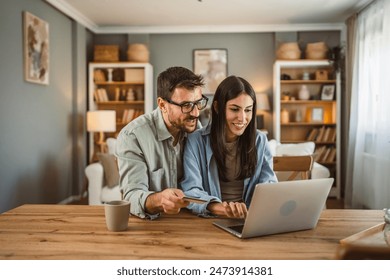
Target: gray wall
<point x="38" y="123"/>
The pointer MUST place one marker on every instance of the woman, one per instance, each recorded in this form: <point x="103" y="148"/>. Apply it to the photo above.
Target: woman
<point x="225" y="160"/>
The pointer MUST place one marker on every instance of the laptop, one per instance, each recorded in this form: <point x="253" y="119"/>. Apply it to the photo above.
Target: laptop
<point x="281" y="207"/>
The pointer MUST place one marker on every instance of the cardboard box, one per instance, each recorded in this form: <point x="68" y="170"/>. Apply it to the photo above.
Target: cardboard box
<point x="134" y="75"/>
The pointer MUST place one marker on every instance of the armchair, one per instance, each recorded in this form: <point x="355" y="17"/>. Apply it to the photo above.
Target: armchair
<point x="99" y="191"/>
<point x="298" y="149"/>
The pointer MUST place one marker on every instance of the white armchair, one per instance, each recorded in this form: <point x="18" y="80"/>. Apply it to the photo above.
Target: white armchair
<point x="100" y="192"/>
<point x="298" y="149"/>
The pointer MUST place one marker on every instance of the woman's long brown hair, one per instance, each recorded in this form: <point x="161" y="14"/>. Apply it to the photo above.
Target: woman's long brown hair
<point x="228" y="89"/>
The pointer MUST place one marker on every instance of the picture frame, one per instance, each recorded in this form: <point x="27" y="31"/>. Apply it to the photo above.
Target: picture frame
<point x="36" y="49"/>
<point x="212" y="65"/>
<point x="317" y="114"/>
<point x="327" y="92"/>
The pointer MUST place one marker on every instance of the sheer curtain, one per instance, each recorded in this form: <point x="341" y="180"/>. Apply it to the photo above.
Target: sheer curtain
<point x="369" y="138"/>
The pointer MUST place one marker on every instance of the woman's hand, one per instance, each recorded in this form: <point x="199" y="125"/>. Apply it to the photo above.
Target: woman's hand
<point x="229" y="209"/>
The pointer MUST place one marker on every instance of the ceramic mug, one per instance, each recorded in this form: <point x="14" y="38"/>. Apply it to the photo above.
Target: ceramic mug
<point x="117" y="214"/>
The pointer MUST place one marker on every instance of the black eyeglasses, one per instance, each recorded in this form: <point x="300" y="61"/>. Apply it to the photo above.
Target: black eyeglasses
<point x="187" y="107"/>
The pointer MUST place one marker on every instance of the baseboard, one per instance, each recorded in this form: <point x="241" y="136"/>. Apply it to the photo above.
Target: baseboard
<point x="73" y="198"/>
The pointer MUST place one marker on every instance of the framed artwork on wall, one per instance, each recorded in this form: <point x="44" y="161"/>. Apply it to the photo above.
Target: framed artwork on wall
<point x="212" y="65"/>
<point x="36" y="49"/>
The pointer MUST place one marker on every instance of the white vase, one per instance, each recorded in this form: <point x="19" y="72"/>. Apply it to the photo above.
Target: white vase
<point x="298" y="116"/>
<point x="110" y="70"/>
<point x="304" y="93"/>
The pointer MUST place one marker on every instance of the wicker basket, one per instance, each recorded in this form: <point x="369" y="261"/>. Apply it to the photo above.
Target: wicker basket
<point x="138" y="53"/>
<point x="317" y="50"/>
<point x="288" y="51"/>
<point x="106" y="53"/>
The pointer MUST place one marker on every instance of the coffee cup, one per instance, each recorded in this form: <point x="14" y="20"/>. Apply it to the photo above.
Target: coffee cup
<point x="117" y="214"/>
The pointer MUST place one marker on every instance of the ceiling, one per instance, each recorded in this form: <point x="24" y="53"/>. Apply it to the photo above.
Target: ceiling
<point x="204" y="16"/>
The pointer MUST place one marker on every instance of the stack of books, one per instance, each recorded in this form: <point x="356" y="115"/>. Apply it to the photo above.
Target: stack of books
<point x="322" y="134"/>
<point x="131" y="114"/>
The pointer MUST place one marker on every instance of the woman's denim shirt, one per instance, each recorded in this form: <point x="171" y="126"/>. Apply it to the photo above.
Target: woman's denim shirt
<point x="201" y="172"/>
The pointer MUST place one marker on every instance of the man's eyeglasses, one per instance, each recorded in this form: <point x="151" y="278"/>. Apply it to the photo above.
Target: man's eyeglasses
<point x="187" y="107"/>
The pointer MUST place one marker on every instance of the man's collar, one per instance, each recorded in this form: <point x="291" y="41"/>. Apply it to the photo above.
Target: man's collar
<point x="162" y="130"/>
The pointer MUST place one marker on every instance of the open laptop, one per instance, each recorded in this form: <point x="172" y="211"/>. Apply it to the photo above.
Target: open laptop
<point x="281" y="207"/>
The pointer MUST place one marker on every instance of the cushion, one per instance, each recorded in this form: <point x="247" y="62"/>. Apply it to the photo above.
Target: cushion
<point x="297" y="149"/>
<point x="110" y="167"/>
<point x="111" y="143"/>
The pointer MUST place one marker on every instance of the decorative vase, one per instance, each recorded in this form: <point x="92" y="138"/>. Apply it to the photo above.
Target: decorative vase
<point x="298" y="116"/>
<point x="284" y="116"/>
<point x="304" y="93"/>
<point x="110" y="74"/>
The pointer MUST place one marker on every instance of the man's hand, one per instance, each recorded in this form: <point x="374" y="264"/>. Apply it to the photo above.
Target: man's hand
<point x="169" y="201"/>
<point x="229" y="209"/>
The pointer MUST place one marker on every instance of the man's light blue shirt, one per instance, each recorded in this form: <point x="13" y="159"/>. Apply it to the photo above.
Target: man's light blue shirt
<point x="147" y="160"/>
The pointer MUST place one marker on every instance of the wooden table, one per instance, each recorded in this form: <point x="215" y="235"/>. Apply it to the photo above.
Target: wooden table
<point x="65" y="232"/>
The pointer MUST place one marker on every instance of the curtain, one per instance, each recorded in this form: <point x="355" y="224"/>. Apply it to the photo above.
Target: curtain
<point x="370" y="110"/>
<point x="346" y="174"/>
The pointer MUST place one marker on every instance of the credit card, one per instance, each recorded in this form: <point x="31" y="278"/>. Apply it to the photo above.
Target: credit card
<point x="194" y="199"/>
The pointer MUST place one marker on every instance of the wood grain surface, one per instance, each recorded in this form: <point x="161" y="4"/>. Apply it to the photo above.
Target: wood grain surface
<point x="78" y="232"/>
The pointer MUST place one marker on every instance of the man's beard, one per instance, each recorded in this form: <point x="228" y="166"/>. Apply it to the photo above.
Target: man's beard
<point x="182" y="127"/>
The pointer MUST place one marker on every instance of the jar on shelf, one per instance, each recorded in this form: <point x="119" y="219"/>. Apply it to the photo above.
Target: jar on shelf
<point x="298" y="116"/>
<point x="306" y="76"/>
<point x="284" y="116"/>
<point x="130" y="95"/>
<point x="304" y="93"/>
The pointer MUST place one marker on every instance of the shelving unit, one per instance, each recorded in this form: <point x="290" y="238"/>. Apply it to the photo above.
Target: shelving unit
<point x="124" y="87"/>
<point x="312" y="119"/>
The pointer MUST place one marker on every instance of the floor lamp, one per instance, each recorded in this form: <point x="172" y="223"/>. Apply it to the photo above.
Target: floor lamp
<point x="101" y="121"/>
<point x="262" y="103"/>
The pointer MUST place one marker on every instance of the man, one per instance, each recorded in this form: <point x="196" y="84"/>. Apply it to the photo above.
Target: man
<point x="149" y="149"/>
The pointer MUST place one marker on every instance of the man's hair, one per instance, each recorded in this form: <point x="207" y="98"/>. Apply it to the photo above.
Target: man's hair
<point x="177" y="77"/>
<point x="228" y="89"/>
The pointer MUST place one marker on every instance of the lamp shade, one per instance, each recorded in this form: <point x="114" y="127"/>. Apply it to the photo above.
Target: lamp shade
<point x="262" y="102"/>
<point x="101" y="121"/>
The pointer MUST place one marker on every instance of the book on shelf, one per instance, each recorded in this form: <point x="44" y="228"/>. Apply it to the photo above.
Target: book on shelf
<point x="318" y="153"/>
<point x="320" y="135"/>
<point x="124" y="116"/>
<point x="312" y="134"/>
<point x="332" y="136"/>
<point x="332" y="155"/>
<point x="326" y="134"/>
<point x="96" y="95"/>
<point x="131" y="114"/>
<point x="127" y="116"/>
<point x="101" y="95"/>
<point x="325" y="155"/>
